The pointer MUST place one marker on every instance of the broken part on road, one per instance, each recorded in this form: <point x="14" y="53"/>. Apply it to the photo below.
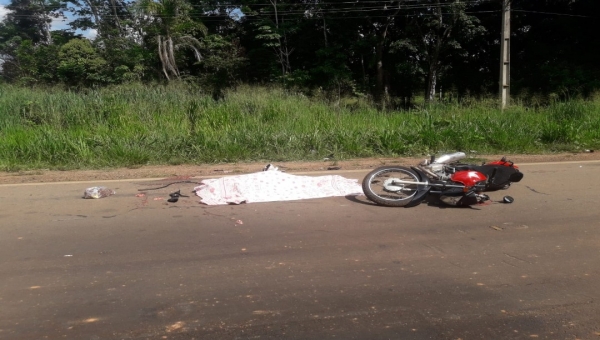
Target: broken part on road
<point x="98" y="192"/>
<point x="273" y="185"/>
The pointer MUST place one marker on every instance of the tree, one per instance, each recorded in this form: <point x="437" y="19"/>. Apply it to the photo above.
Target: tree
<point x="24" y="36"/>
<point x="168" y="21"/>
<point x="32" y="18"/>
<point x="26" y="63"/>
<point x="554" y="50"/>
<point x="437" y="31"/>
<point x="222" y="64"/>
<point x="275" y="24"/>
<point x="381" y="30"/>
<point x="108" y="17"/>
<point x="79" y="65"/>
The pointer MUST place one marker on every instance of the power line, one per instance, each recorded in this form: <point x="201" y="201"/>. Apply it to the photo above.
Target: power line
<point x="392" y="6"/>
<point x="320" y="11"/>
<point x="213" y="18"/>
<point x="550" y="13"/>
<point x="339" y="10"/>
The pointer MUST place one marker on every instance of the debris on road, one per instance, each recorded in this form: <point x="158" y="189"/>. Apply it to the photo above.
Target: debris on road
<point x="164" y="186"/>
<point x="98" y="192"/>
<point x="508" y="199"/>
<point x="270" y="167"/>
<point x="175" y="196"/>
<point x="496" y="228"/>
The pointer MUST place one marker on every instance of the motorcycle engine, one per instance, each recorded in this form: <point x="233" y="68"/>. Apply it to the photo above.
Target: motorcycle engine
<point x="441" y="171"/>
<point x="440" y="167"/>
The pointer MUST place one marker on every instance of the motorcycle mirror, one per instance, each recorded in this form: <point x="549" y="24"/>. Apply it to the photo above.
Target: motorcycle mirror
<point x="508" y="199"/>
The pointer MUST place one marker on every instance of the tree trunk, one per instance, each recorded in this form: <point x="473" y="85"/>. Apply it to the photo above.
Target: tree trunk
<point x="379" y="79"/>
<point x="325" y="32"/>
<point x="47" y="27"/>
<point x="364" y="71"/>
<point x="380" y="86"/>
<point x="431" y="84"/>
<point x="162" y="56"/>
<point x="114" y="8"/>
<point x="281" y="53"/>
<point x="94" y="13"/>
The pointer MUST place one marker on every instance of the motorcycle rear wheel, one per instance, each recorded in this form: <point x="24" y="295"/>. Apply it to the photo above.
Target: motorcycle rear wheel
<point x="389" y="193"/>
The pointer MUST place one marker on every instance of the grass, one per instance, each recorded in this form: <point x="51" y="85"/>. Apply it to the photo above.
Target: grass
<point x="136" y="125"/>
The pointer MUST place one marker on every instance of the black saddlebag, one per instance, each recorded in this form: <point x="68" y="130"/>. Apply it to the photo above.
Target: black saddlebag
<point x="499" y="176"/>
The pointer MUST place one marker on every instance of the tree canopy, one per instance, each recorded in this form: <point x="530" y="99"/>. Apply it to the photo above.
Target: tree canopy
<point x="392" y="49"/>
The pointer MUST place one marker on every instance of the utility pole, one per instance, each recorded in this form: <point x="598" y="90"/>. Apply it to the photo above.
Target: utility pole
<point x="505" y="55"/>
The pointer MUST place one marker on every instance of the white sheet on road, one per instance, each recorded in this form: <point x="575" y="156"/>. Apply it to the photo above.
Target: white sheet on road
<point x="271" y="186"/>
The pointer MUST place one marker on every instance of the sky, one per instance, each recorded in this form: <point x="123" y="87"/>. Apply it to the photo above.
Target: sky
<point x="57" y="24"/>
<point x="2" y="9"/>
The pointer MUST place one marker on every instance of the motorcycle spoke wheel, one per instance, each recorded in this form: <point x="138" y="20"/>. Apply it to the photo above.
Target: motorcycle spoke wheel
<point x="380" y="186"/>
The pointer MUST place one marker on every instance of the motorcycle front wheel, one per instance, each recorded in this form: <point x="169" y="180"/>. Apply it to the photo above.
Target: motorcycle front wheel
<point x="383" y="186"/>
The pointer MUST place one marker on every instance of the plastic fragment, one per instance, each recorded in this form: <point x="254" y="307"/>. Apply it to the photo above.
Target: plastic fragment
<point x="98" y="192"/>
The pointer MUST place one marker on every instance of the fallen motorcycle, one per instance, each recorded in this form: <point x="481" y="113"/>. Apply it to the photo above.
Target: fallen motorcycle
<point x="456" y="184"/>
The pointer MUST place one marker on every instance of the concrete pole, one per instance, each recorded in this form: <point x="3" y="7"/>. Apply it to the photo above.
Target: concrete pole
<point x="505" y="55"/>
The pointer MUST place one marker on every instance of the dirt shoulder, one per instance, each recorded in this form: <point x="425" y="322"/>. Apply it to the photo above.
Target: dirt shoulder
<point x="216" y="170"/>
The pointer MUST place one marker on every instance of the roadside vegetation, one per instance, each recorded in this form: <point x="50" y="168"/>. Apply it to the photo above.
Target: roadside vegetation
<point x="134" y="125"/>
<point x="131" y="83"/>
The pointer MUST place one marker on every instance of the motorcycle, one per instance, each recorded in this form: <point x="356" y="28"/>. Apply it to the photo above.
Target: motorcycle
<point x="457" y="184"/>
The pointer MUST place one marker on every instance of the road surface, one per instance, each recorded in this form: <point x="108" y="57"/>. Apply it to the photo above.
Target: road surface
<point x="127" y="267"/>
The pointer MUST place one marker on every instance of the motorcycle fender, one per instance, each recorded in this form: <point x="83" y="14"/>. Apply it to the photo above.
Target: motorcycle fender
<point x="422" y="190"/>
<point x="503" y="163"/>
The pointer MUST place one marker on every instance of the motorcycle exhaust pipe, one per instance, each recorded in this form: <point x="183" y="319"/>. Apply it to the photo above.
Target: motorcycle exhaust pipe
<point x="441" y="185"/>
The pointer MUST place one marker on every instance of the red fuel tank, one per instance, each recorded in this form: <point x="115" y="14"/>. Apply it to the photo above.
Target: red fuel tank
<point x="468" y="177"/>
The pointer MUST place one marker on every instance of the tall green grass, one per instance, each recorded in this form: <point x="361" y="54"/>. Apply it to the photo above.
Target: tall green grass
<point x="135" y="125"/>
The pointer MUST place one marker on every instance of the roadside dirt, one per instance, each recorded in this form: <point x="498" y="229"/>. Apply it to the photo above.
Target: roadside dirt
<point x="182" y="172"/>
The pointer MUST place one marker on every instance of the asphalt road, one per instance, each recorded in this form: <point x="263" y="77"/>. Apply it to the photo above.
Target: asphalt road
<point x="127" y="267"/>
